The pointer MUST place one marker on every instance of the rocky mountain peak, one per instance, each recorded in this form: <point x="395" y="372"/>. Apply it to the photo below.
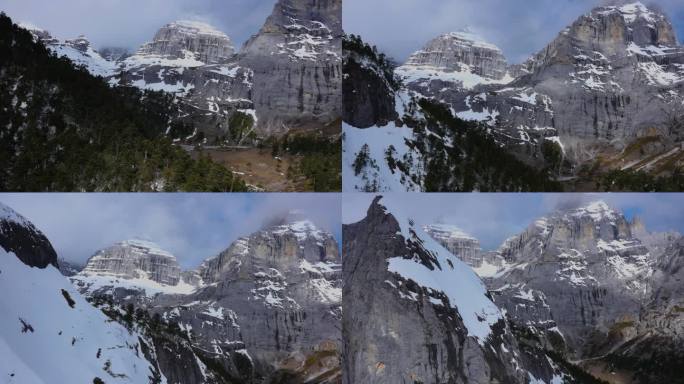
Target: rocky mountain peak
<point x="19" y="236"/>
<point x="461" y="51"/>
<point x="596" y="210"/>
<point x="459" y="243"/>
<point x="609" y="29"/>
<point x="185" y="39"/>
<point x="296" y="60"/>
<point x="135" y="259"/>
<point x="281" y="246"/>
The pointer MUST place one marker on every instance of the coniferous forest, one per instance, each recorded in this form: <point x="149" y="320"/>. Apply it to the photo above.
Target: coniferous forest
<point x="66" y="130"/>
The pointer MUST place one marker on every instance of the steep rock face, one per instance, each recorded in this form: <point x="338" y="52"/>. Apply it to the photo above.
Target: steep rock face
<point x="267" y="309"/>
<point x="133" y="271"/>
<point x="415" y="313"/>
<point x="195" y="62"/>
<point x="368" y="94"/>
<point x="203" y="42"/>
<point x="614" y="60"/>
<point x="460" y="52"/>
<point x="459" y="243"/>
<point x="453" y="64"/>
<point x="287" y="76"/>
<point x="575" y="276"/>
<point x="135" y="259"/>
<point x="296" y="58"/>
<point x="658" y="335"/>
<point x="608" y="80"/>
<point x="20" y="237"/>
<point x="277" y="297"/>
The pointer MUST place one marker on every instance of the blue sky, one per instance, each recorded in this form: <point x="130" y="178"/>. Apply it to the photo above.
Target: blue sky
<point x="130" y="23"/>
<point x="192" y="226"/>
<point x="492" y="218"/>
<point x="519" y="27"/>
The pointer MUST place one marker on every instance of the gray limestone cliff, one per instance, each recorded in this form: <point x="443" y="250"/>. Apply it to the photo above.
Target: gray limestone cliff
<point x="266" y="310"/>
<point x="190" y="39"/>
<point x="608" y="85"/>
<point x="135" y="259"/>
<point x="297" y="62"/>
<point x="398" y="328"/>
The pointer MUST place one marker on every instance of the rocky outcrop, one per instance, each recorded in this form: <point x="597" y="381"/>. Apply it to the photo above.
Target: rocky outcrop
<point x="406" y="316"/>
<point x="275" y="299"/>
<point x="606" y="82"/>
<point x="585" y="283"/>
<point x="21" y="237"/>
<point x="135" y="259"/>
<point x="190" y="40"/>
<point x="368" y="87"/>
<point x="461" y="51"/>
<point x="267" y="309"/>
<point x="459" y="243"/>
<point x="657" y="336"/>
<point x="296" y="58"/>
<point x="578" y="273"/>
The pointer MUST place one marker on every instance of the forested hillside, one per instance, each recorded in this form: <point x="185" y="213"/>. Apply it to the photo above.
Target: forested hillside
<point x="66" y="130"/>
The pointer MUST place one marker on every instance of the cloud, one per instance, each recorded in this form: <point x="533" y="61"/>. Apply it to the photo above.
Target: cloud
<point x="191" y="226"/>
<point x="519" y="27"/>
<point x="130" y="23"/>
<point x="492" y="218"/>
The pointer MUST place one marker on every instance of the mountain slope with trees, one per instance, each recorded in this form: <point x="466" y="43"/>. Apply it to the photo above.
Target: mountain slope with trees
<point x="66" y="130"/>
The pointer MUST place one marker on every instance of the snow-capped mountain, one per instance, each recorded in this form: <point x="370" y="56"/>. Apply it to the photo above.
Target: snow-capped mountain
<point x="19" y="236"/>
<point x="50" y="332"/>
<point x="583" y="281"/>
<point x="462" y="59"/>
<point x="286" y="76"/>
<point x="189" y="40"/>
<point x="457" y="242"/>
<point x="413" y="312"/>
<point x="78" y="50"/>
<point x="268" y="305"/>
<point x="605" y="93"/>
<point x="138" y="266"/>
<point x="605" y="81"/>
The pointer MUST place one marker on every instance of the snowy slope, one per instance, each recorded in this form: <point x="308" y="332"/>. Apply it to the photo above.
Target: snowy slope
<point x="61" y="344"/>
<point x="377" y="176"/>
<point x="464" y="289"/>
<point x="78" y="50"/>
<point x="91" y="59"/>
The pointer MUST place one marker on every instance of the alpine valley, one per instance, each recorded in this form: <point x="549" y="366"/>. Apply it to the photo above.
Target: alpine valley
<point x="599" y="108"/>
<point x="582" y="295"/>
<point x="268" y="112"/>
<point x="267" y="309"/>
